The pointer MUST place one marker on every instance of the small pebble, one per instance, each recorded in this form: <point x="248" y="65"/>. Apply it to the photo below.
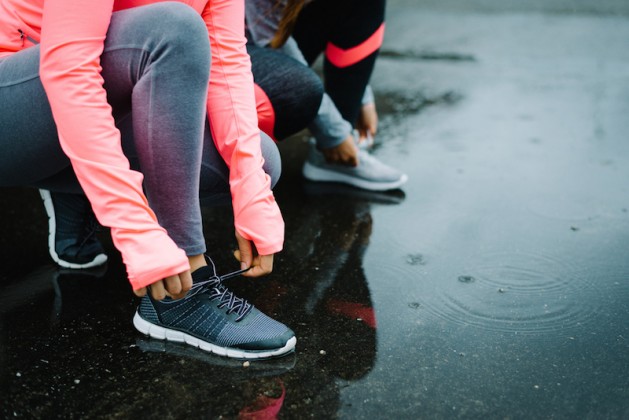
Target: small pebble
<point x="466" y="279"/>
<point x="501" y="290"/>
<point x="18" y="374"/>
<point x="322" y="352"/>
<point x="536" y="386"/>
<point x="415" y="259"/>
<point x="77" y="381"/>
<point x="246" y="364"/>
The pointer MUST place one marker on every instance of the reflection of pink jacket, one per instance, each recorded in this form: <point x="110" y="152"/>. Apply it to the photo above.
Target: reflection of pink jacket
<point x="72" y="34"/>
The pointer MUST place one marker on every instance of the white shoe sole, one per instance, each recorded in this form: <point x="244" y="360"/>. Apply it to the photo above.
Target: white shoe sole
<point x="162" y="333"/>
<point x="314" y="173"/>
<point x="100" y="259"/>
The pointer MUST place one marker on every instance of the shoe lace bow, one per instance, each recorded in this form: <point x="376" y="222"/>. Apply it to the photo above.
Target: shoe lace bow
<point x="214" y="288"/>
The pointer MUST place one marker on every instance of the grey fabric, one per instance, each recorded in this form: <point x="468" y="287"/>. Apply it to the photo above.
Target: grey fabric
<point x="328" y="128"/>
<point x="262" y="18"/>
<point x="148" y="61"/>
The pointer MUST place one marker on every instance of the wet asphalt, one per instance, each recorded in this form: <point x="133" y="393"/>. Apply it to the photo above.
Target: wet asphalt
<point x="493" y="285"/>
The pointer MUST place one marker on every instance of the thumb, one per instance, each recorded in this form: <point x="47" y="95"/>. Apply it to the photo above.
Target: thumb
<point x="246" y="252"/>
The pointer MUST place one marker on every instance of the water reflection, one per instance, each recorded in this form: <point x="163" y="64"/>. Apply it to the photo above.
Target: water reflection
<point x="324" y="293"/>
<point x="67" y="336"/>
<point x="66" y="339"/>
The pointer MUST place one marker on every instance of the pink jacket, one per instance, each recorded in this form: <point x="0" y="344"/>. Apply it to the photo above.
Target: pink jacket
<point x="72" y="33"/>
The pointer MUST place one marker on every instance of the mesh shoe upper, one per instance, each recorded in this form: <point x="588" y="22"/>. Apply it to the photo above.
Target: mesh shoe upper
<point x="212" y="313"/>
<point x="371" y="173"/>
<point x="72" y="230"/>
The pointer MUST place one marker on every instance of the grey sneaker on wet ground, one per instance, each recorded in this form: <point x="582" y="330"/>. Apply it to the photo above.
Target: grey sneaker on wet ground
<point x="213" y="319"/>
<point x="370" y="174"/>
<point x="72" y="228"/>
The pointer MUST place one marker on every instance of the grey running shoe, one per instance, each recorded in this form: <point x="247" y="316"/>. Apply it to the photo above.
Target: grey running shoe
<point x="72" y="228"/>
<point x="370" y="174"/>
<point x="212" y="318"/>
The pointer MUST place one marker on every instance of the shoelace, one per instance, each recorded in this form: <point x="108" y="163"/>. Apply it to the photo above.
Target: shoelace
<point x="215" y="289"/>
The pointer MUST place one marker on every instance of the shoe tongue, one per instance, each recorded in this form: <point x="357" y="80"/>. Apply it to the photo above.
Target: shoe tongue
<point x="202" y="274"/>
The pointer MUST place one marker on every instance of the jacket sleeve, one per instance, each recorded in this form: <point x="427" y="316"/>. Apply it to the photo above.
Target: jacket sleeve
<point x="234" y="125"/>
<point x="73" y="35"/>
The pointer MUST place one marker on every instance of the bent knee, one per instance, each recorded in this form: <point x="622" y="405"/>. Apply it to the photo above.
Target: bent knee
<point x="272" y="159"/>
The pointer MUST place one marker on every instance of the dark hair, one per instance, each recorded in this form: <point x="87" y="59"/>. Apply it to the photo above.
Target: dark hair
<point x="287" y="22"/>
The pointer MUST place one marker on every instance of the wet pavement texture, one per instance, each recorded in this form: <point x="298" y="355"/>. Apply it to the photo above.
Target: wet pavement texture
<point x="495" y="285"/>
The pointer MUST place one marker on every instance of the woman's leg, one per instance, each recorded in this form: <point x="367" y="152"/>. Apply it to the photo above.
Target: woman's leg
<point x="147" y="76"/>
<point x="31" y="156"/>
<point x="214" y="189"/>
<point x="156" y="67"/>
<point x="288" y="93"/>
<point x="28" y="135"/>
<point x="350" y="32"/>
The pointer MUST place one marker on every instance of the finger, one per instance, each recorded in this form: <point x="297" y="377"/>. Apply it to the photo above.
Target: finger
<point x="256" y="271"/>
<point x="157" y="290"/>
<point x="362" y="134"/>
<point x="246" y="251"/>
<point x="186" y="281"/>
<point x="262" y="265"/>
<point x="173" y="285"/>
<point x="140" y="292"/>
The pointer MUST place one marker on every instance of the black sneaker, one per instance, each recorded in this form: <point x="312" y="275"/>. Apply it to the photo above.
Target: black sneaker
<point x="72" y="228"/>
<point x="212" y="318"/>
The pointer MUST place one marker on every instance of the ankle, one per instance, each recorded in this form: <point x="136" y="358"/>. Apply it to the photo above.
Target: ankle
<point x="196" y="262"/>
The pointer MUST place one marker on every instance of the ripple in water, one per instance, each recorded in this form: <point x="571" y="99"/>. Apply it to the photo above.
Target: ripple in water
<point x="567" y="209"/>
<point x="520" y="293"/>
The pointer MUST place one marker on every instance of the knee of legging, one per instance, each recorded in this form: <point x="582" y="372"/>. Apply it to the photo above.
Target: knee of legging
<point x="178" y="28"/>
<point x="311" y="93"/>
<point x="299" y="104"/>
<point x="272" y="160"/>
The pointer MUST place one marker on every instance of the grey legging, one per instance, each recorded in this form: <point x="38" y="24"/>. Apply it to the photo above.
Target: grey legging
<point x="156" y="81"/>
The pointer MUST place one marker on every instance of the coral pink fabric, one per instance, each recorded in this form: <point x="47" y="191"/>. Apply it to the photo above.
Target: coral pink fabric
<point x="266" y="113"/>
<point x="344" y="58"/>
<point x="72" y="34"/>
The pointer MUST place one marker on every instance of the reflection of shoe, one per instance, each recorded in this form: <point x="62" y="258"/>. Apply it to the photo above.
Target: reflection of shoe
<point x="271" y="367"/>
<point x="212" y="318"/>
<point x="396" y="196"/>
<point x="73" y="280"/>
<point x="370" y="174"/>
<point x="72" y="228"/>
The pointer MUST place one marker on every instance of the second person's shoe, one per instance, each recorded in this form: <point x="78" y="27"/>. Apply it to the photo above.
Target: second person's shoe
<point x="370" y="174"/>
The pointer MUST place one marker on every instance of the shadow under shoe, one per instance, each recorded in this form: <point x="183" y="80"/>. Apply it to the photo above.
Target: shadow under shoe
<point x="72" y="229"/>
<point x="389" y="197"/>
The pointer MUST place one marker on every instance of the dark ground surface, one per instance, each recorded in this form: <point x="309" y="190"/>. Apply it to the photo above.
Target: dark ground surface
<point x="494" y="286"/>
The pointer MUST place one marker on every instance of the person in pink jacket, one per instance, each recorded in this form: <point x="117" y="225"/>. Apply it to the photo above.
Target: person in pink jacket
<point x="122" y="96"/>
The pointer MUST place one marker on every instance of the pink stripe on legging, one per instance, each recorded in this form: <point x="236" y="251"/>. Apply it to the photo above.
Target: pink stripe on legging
<point x="266" y="113"/>
<point x="345" y="58"/>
